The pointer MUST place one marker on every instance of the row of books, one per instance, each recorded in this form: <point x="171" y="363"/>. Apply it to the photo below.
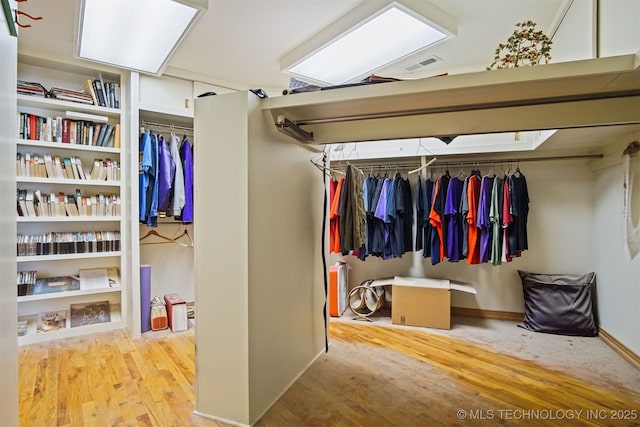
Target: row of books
<point x="60" y="243"/>
<point x="26" y="282"/>
<point x="87" y="279"/>
<point x="48" y="166"/>
<point x="37" y="204"/>
<point x="69" y="131"/>
<point x="80" y="314"/>
<point x="95" y="92"/>
<point x="104" y="94"/>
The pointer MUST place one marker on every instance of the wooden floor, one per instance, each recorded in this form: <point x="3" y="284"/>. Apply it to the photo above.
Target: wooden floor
<point x="372" y="376"/>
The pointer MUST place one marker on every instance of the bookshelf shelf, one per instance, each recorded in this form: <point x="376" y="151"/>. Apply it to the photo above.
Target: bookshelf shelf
<point x="66" y="146"/>
<point x="39" y="219"/>
<point x="31" y="258"/>
<point x="62" y="106"/>
<point x="40" y="122"/>
<point x="32" y="336"/>
<point x="63" y="181"/>
<point x="67" y="294"/>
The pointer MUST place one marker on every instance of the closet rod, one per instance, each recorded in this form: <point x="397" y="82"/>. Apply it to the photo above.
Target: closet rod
<point x="164" y="125"/>
<point x="462" y="162"/>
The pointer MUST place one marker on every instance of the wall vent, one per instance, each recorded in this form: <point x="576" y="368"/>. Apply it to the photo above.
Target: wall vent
<point x="425" y="62"/>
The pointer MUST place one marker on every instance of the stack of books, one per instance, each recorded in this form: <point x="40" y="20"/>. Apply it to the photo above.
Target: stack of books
<point x="31" y="88"/>
<point x="70" y="95"/>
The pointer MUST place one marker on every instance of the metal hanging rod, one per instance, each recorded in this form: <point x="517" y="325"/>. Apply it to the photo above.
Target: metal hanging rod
<point x="166" y="125"/>
<point x="413" y="163"/>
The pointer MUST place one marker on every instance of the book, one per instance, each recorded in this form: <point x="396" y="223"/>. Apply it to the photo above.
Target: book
<point x="48" y="285"/>
<point x="90" y="313"/>
<point x="89" y="89"/>
<point x="176" y="312"/>
<point x="37" y="202"/>
<point x="97" y="86"/>
<point x="80" y="169"/>
<point x="74" y="168"/>
<point x="30" y="204"/>
<point x="52" y="321"/>
<point x="22" y="203"/>
<point x="116" y="136"/>
<point x="106" y="141"/>
<point x="68" y="170"/>
<point x="48" y="163"/>
<point x="103" y="130"/>
<point x="94" y="278"/>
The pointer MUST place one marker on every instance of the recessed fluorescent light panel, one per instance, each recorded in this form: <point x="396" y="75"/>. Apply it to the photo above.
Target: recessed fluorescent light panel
<point x="386" y="36"/>
<point x="138" y="35"/>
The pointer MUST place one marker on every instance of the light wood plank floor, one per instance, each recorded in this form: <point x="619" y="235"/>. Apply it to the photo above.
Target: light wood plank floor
<point x="372" y="376"/>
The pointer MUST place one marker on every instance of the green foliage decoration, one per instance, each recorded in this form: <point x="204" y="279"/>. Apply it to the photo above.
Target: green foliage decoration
<point x="525" y="46"/>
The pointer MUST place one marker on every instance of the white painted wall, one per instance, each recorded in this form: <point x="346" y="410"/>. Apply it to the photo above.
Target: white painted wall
<point x="575" y="37"/>
<point x="171" y="264"/>
<point x="618" y="280"/>
<point x="257" y="259"/>
<point x="286" y="294"/>
<point x="619" y="27"/>
<point x="222" y="258"/>
<point x="559" y="227"/>
<point x="8" y="267"/>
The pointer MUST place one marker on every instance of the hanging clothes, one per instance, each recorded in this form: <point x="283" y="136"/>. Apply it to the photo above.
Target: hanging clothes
<point x="473" y="236"/>
<point x="145" y="165"/>
<point x="520" y="211"/>
<point x="352" y="216"/>
<point x="186" y="156"/>
<point x="178" y="199"/>
<point x="437" y="219"/>
<point x="507" y="221"/>
<point x="497" y="196"/>
<point x="484" y="222"/>
<point x="375" y="224"/>
<point x="166" y="177"/>
<point x="453" y="220"/>
<point x="151" y="208"/>
<point x="334" y="226"/>
<point x="407" y="215"/>
<point x="464" y="210"/>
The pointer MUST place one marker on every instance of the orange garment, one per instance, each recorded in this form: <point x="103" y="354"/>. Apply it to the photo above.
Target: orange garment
<point x="334" y="220"/>
<point x="473" y="199"/>
<point x="436" y="220"/>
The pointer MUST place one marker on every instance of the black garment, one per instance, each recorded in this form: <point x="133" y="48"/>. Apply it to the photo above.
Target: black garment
<point x="407" y="215"/>
<point x="427" y="228"/>
<point x="520" y="212"/>
<point x="439" y="203"/>
<point x="419" y="213"/>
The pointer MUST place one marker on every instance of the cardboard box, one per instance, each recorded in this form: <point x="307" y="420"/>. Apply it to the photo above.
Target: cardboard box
<point x="424" y="302"/>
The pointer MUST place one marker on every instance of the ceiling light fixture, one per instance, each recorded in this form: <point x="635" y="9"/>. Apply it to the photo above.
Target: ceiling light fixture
<point x="367" y="39"/>
<point x="139" y="35"/>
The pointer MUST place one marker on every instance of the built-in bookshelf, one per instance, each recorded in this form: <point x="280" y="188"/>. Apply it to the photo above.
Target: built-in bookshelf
<point x="70" y="168"/>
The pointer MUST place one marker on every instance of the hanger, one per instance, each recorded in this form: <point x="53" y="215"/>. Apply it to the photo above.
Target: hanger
<point x="325" y="169"/>
<point x="186" y="234"/>
<point x="429" y="163"/>
<point x="167" y="239"/>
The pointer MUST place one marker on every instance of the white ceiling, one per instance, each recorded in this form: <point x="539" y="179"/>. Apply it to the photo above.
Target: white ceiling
<point x="239" y="43"/>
